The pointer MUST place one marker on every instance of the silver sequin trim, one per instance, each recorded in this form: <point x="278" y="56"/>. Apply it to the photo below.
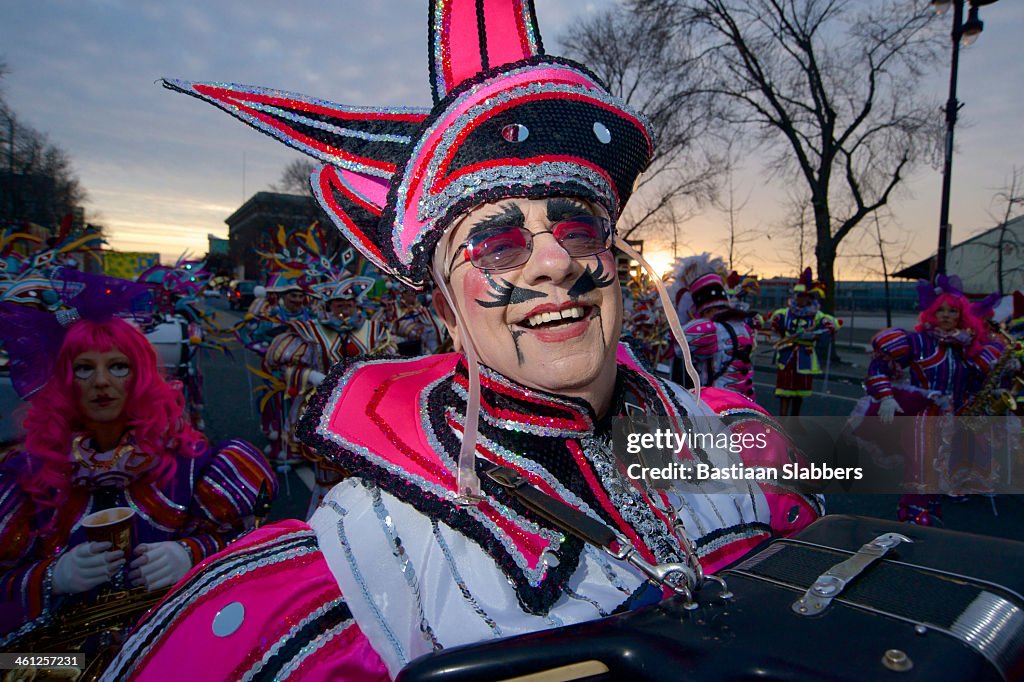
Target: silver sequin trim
<point x="357" y="574"/>
<point x="457" y="576"/>
<point x="630" y="504"/>
<point x="404" y="564"/>
<point x="292" y="632"/>
<point x="319" y="642"/>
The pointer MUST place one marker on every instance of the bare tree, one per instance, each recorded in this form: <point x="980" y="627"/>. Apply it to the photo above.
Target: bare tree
<point x="633" y="55"/>
<point x="828" y="86"/>
<point x="795" y="245"/>
<point x="880" y="252"/>
<point x="1012" y="198"/>
<point x="39" y="184"/>
<point x="295" y="177"/>
<point x="738" y="238"/>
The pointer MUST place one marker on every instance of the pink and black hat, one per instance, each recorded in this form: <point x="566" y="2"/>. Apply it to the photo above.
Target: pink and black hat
<point x="507" y="121"/>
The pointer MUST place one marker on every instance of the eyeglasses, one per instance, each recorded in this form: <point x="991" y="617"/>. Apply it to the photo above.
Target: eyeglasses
<point x="497" y="249"/>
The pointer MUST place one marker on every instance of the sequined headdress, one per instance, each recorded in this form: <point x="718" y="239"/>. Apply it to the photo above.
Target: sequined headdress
<point x="507" y="121"/>
<point x="32" y="338"/>
<point x="349" y="288"/>
<point x="806" y="284"/>
<point x="697" y="285"/>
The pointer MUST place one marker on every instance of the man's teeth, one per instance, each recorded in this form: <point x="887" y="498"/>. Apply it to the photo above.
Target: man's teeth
<point x="574" y="313"/>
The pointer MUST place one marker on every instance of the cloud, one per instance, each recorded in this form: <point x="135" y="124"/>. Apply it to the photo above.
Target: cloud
<point x="162" y="164"/>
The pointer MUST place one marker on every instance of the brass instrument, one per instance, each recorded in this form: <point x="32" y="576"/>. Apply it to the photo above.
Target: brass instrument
<point x="788" y="341"/>
<point x="97" y="627"/>
<point x="994" y="399"/>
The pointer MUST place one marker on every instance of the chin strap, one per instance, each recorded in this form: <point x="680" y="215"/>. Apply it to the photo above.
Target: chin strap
<point x="468" y="483"/>
<point x="670" y="312"/>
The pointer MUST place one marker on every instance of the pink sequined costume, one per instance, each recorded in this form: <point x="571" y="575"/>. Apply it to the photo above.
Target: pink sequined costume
<point x="390" y="567"/>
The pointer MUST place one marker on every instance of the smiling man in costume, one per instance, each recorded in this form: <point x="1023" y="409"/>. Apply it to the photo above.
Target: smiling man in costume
<point x="504" y="195"/>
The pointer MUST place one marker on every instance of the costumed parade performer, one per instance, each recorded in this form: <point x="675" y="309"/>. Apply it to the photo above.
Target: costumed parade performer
<point x="259" y="335"/>
<point x="181" y="327"/>
<point x="929" y="372"/>
<point x="1009" y="315"/>
<point x="799" y="325"/>
<point x="505" y="195"/>
<point x="104" y="430"/>
<point x="291" y="268"/>
<point x="720" y="338"/>
<point x="306" y="352"/>
<point x="644" y="325"/>
<point x="415" y="329"/>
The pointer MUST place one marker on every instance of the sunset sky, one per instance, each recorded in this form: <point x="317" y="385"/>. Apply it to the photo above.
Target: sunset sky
<point x="163" y="170"/>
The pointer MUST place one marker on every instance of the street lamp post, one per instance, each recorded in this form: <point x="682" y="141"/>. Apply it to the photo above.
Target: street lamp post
<point x="967" y="32"/>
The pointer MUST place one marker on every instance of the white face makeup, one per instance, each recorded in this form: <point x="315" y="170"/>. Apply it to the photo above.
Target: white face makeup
<point x="948" y="317"/>
<point x="102" y="380"/>
<point x="552" y="323"/>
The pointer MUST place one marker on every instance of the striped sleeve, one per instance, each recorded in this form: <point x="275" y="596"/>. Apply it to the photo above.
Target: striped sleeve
<point x="225" y="497"/>
<point x="987" y="355"/>
<point x="290" y="356"/>
<point x="891" y="351"/>
<point x="24" y="582"/>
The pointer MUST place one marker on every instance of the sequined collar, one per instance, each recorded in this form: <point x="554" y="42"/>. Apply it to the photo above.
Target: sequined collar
<point x="953" y="337"/>
<point x="116" y="468"/>
<point x="361" y="419"/>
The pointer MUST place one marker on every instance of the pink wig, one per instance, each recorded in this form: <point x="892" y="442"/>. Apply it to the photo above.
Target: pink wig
<point x="155" y="410"/>
<point x="968" y="320"/>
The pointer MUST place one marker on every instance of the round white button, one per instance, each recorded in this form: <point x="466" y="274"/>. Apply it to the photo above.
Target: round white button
<point x="228" y="619"/>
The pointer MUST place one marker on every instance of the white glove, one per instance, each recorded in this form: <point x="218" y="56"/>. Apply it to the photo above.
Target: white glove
<point x="888" y="409"/>
<point x="159" y="564"/>
<point x="316" y="378"/>
<point x="85" y="566"/>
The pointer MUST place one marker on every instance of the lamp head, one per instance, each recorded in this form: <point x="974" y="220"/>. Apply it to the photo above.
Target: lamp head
<point x="972" y="28"/>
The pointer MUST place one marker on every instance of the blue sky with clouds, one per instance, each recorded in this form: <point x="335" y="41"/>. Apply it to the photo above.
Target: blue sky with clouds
<point x="163" y="170"/>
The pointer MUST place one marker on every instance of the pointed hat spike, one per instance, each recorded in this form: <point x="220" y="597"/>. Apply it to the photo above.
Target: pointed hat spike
<point x="470" y="36"/>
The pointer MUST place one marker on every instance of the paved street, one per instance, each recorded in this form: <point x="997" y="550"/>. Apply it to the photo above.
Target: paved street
<point x="231" y="412"/>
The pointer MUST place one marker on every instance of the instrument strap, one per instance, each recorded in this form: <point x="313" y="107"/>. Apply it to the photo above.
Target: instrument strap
<point x="567" y="519"/>
<point x="683" y="579"/>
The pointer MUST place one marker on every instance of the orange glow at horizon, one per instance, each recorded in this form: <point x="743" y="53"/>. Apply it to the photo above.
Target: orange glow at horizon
<point x="661" y="261"/>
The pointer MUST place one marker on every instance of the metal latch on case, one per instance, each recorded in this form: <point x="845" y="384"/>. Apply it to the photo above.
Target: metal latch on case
<point x="832" y="582"/>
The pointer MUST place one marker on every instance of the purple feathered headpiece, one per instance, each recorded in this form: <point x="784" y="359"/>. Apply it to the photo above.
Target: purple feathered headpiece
<point x="927" y="292"/>
<point x="32" y="338"/>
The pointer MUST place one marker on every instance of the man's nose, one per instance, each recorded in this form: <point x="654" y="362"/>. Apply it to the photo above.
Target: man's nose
<point x="549" y="260"/>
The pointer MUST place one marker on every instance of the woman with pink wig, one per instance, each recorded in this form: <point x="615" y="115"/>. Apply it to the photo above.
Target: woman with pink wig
<point x="104" y="429"/>
<point x="929" y="372"/>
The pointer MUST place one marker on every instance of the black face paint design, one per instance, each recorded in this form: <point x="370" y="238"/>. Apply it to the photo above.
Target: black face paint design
<point x="503" y="293"/>
<point x="590" y="280"/>
<point x="516" y="333"/>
